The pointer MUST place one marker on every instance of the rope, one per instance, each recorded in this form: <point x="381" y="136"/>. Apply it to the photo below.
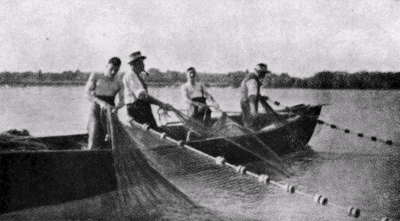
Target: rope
<point x="360" y="135"/>
<point x="345" y="130"/>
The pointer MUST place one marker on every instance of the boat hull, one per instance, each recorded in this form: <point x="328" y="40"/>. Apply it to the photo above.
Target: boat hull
<point x="37" y="178"/>
<point x="66" y="173"/>
<point x="288" y="138"/>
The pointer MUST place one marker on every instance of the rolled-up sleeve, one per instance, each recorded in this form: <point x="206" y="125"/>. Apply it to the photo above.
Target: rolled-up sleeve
<point x="132" y="87"/>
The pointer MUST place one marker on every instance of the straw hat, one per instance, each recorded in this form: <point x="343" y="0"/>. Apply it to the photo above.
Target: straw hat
<point x="135" y="56"/>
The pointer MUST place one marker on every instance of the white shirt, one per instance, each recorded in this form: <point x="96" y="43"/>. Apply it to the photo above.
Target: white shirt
<point x="252" y="87"/>
<point x="132" y="87"/>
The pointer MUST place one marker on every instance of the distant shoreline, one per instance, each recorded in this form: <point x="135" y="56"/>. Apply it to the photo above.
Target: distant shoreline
<point x="82" y="83"/>
<point x="44" y="83"/>
<point x="166" y="84"/>
<point x="325" y="80"/>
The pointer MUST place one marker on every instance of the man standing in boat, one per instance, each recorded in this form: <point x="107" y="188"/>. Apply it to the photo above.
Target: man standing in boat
<point x="250" y="91"/>
<point x="195" y="95"/>
<point x="138" y="101"/>
<point x="101" y="89"/>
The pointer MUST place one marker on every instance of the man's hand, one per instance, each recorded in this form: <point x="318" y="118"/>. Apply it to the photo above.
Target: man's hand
<point x="200" y="105"/>
<point x="167" y="107"/>
<point x="216" y="106"/>
<point x="105" y="105"/>
<point x="114" y="109"/>
<point x="291" y="114"/>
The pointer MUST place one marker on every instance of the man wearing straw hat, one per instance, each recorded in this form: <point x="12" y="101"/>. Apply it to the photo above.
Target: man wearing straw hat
<point x="137" y="99"/>
<point x="250" y="90"/>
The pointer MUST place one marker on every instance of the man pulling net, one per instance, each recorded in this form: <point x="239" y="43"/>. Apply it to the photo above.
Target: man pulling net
<point x="250" y="90"/>
<point x="195" y="95"/>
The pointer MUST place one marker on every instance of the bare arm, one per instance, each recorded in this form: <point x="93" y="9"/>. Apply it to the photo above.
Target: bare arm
<point x="210" y="97"/>
<point x="121" y="102"/>
<point x="185" y="95"/>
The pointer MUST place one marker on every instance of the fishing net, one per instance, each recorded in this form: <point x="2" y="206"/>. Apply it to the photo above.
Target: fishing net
<point x="158" y="179"/>
<point x="143" y="192"/>
<point x="229" y="194"/>
<point x="233" y="134"/>
<point x="16" y="140"/>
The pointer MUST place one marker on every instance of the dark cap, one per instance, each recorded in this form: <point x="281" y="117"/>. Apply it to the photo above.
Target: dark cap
<point x="262" y="67"/>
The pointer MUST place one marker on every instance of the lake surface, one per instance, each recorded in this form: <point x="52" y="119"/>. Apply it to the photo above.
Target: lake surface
<point x="349" y="170"/>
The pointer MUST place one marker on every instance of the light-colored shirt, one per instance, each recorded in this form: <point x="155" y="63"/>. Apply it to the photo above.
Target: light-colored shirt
<point x="252" y="87"/>
<point x="101" y="85"/>
<point x="192" y="91"/>
<point x="132" y="87"/>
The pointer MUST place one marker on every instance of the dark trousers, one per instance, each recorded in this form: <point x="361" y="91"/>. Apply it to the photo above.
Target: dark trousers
<point x="246" y="115"/>
<point x="202" y="114"/>
<point x="141" y="112"/>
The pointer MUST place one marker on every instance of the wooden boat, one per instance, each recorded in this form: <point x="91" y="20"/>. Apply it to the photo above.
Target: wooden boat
<point x="63" y="172"/>
<point x="284" y="138"/>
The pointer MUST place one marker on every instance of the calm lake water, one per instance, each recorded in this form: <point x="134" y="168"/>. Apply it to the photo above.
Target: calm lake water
<point x="349" y="170"/>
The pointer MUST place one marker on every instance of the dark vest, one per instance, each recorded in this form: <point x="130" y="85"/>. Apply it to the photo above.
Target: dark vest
<point x="243" y="88"/>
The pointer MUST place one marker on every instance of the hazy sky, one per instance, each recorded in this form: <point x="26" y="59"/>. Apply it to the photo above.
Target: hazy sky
<point x="299" y="37"/>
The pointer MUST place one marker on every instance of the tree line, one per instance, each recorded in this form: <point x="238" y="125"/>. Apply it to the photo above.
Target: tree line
<point x="320" y="80"/>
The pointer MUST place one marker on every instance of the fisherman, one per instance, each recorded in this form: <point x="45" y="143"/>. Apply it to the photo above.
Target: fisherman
<point x="195" y="95"/>
<point x="138" y="101"/>
<point x="101" y="89"/>
<point x="250" y="90"/>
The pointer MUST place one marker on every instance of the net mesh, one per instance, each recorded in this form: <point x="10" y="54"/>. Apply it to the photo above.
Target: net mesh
<point x="240" y="137"/>
<point x="143" y="192"/>
<point x="15" y="140"/>
<point x="206" y="183"/>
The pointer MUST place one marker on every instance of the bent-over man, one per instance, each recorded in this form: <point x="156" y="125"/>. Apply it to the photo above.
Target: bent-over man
<point x="101" y="89"/>
<point x="137" y="99"/>
<point x="250" y="91"/>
